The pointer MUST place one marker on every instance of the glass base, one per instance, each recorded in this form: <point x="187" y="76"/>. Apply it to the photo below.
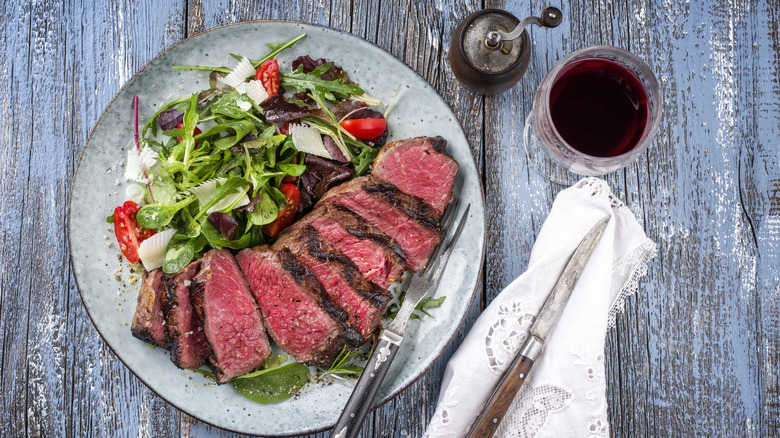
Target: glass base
<point x="541" y="161"/>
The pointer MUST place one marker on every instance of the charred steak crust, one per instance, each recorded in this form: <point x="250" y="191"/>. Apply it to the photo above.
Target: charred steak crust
<point x="361" y="229"/>
<point x="413" y="206"/>
<point x="148" y="320"/>
<point x="375" y="295"/>
<point x="439" y="144"/>
<point x="379" y="204"/>
<point x="305" y="278"/>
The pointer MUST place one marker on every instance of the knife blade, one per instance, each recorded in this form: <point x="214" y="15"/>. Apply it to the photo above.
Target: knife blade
<point x="493" y="412"/>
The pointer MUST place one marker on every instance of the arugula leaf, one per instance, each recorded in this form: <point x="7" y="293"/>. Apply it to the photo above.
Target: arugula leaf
<point x="275" y="50"/>
<point x="363" y="160"/>
<point x="241" y="129"/>
<point x="340" y="367"/>
<point x="325" y="90"/>
<point x="227" y="105"/>
<point x="422" y="307"/>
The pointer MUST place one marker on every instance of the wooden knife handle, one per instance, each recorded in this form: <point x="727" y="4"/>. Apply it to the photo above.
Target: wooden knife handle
<point x="488" y="420"/>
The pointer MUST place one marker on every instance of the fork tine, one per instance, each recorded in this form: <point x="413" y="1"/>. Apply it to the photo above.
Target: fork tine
<point x="445" y="257"/>
<point x="449" y="214"/>
<point x="446" y="222"/>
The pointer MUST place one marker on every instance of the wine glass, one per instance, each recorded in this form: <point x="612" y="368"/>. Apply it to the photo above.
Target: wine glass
<point x="595" y="112"/>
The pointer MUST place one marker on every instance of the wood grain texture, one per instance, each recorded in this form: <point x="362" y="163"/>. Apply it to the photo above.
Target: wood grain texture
<point x="697" y="351"/>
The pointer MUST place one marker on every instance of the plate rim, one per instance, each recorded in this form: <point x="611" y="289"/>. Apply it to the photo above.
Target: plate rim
<point x="392" y="395"/>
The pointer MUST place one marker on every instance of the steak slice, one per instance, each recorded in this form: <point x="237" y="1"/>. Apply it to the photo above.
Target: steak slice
<point x="362" y="301"/>
<point x="186" y="340"/>
<point x="297" y="312"/>
<point x="148" y="320"/>
<point x="377" y="256"/>
<point x="421" y="167"/>
<point x="230" y="316"/>
<point x="406" y="219"/>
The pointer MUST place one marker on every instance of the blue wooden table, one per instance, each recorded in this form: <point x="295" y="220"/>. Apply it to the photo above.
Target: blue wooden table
<point x="697" y="351"/>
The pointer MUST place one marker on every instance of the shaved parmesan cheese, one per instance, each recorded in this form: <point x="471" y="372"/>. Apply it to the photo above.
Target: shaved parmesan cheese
<point x="135" y="193"/>
<point x="152" y="250"/>
<point x="244" y="105"/>
<point x="256" y="92"/>
<point x="207" y="189"/>
<point x="239" y="74"/>
<point x="308" y="139"/>
<point x="138" y="163"/>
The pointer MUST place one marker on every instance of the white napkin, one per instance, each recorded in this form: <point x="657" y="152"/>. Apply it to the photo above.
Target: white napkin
<point x="565" y="392"/>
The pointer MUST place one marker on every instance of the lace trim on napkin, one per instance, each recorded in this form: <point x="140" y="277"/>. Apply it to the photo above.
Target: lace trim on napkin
<point x="599" y="187"/>
<point x="631" y="268"/>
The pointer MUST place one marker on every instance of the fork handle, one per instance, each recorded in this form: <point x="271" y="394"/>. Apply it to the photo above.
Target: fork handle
<point x="363" y="395"/>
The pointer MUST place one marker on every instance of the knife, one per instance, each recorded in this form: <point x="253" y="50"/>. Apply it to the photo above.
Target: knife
<point x="488" y="420"/>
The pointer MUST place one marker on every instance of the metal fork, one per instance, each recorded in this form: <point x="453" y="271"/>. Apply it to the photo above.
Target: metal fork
<point x="391" y="337"/>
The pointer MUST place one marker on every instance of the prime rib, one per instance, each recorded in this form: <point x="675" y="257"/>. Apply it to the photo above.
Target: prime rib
<point x="420" y="167"/>
<point x="148" y="320"/>
<point x="231" y="319"/>
<point x="298" y="313"/>
<point x="362" y="301"/>
<point x="186" y="339"/>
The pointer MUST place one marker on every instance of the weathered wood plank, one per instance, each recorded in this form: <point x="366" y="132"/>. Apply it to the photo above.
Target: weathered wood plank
<point x="103" y="46"/>
<point x="15" y="159"/>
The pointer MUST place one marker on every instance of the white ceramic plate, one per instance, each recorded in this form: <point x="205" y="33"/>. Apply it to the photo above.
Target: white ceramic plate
<point x="106" y="284"/>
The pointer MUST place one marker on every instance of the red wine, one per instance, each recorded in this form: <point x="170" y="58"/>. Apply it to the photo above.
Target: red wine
<point x="599" y="107"/>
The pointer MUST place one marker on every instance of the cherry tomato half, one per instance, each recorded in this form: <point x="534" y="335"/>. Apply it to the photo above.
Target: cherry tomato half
<point x="195" y="132"/>
<point x="365" y="129"/>
<point x="128" y="233"/>
<point x="268" y="75"/>
<point x="287" y="215"/>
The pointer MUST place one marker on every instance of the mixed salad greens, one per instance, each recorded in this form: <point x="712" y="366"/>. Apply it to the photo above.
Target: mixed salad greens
<point x="232" y="165"/>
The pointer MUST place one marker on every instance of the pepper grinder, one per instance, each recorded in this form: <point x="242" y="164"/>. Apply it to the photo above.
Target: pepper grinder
<point x="486" y="56"/>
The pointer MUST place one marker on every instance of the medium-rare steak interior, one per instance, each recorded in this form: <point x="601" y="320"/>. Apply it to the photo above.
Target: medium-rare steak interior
<point x="231" y="319"/>
<point x="419" y="167"/>
<point x="186" y="339"/>
<point x="298" y="314"/>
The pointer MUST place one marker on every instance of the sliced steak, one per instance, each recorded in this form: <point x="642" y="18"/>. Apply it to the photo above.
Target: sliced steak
<point x="362" y="301"/>
<point x="148" y="320"/>
<point x="231" y="319"/>
<point x="421" y="167"/>
<point x="186" y="340"/>
<point x="298" y="313"/>
<point x="377" y="256"/>
<point x="406" y="219"/>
